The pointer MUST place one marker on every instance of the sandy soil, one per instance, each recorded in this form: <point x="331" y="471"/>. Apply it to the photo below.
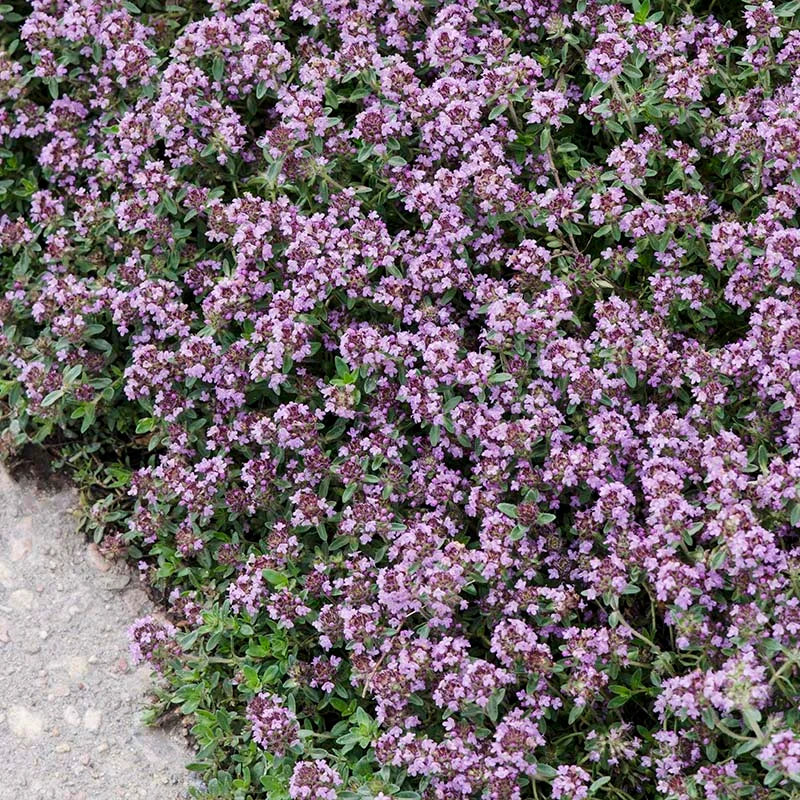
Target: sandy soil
<point x="69" y="700"/>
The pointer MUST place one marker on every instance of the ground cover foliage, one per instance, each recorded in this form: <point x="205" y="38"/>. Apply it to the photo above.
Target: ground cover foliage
<point x="438" y="363"/>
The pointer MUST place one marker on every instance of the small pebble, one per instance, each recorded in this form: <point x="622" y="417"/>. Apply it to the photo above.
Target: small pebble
<point x="92" y="719"/>
<point x="96" y="558"/>
<point x="71" y="716"/>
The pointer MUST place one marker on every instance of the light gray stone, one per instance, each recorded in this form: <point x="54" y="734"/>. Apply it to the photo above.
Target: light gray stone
<point x="24" y="723"/>
<point x="92" y="720"/>
<point x="21" y="600"/>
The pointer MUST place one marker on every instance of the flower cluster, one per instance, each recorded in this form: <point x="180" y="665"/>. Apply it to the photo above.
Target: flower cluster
<point x="274" y="726"/>
<point x="440" y="362"/>
<point x="152" y="642"/>
<point x="314" y="779"/>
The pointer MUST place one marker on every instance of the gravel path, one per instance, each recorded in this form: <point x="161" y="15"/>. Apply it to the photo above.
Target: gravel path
<point x="69" y="700"/>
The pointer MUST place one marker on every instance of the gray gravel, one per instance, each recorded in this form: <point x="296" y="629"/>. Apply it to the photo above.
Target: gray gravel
<point x="69" y="700"/>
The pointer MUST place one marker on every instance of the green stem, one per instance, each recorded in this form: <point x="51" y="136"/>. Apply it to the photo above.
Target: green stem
<point x="728" y="732"/>
<point x="624" y="103"/>
<point x="779" y="673"/>
<point x="332" y="181"/>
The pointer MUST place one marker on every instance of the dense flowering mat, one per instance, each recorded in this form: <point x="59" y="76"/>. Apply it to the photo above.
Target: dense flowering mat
<point x="440" y="363"/>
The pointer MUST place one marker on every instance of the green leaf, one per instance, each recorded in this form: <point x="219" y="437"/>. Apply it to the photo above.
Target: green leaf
<point x="746" y="747"/>
<point x="218" y="68"/>
<point x="275" y="578"/>
<point x="169" y="204"/>
<point x="88" y="417"/>
<point x="763" y="458"/>
<point x="629" y="374"/>
<point x="145" y="425"/>
<point x="251" y="676"/>
<point x="517" y="532"/>
<point x="72" y="373"/>
<point x="642" y="12"/>
<point x="493" y="706"/>
<point x="51" y="398"/>
<point x="342" y="370"/>
<point x="365" y="152"/>
<point x="508" y="509"/>
<point x="598" y="783"/>
<point x="773" y="777"/>
<point x="752" y="716"/>
<point x="274" y="170"/>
